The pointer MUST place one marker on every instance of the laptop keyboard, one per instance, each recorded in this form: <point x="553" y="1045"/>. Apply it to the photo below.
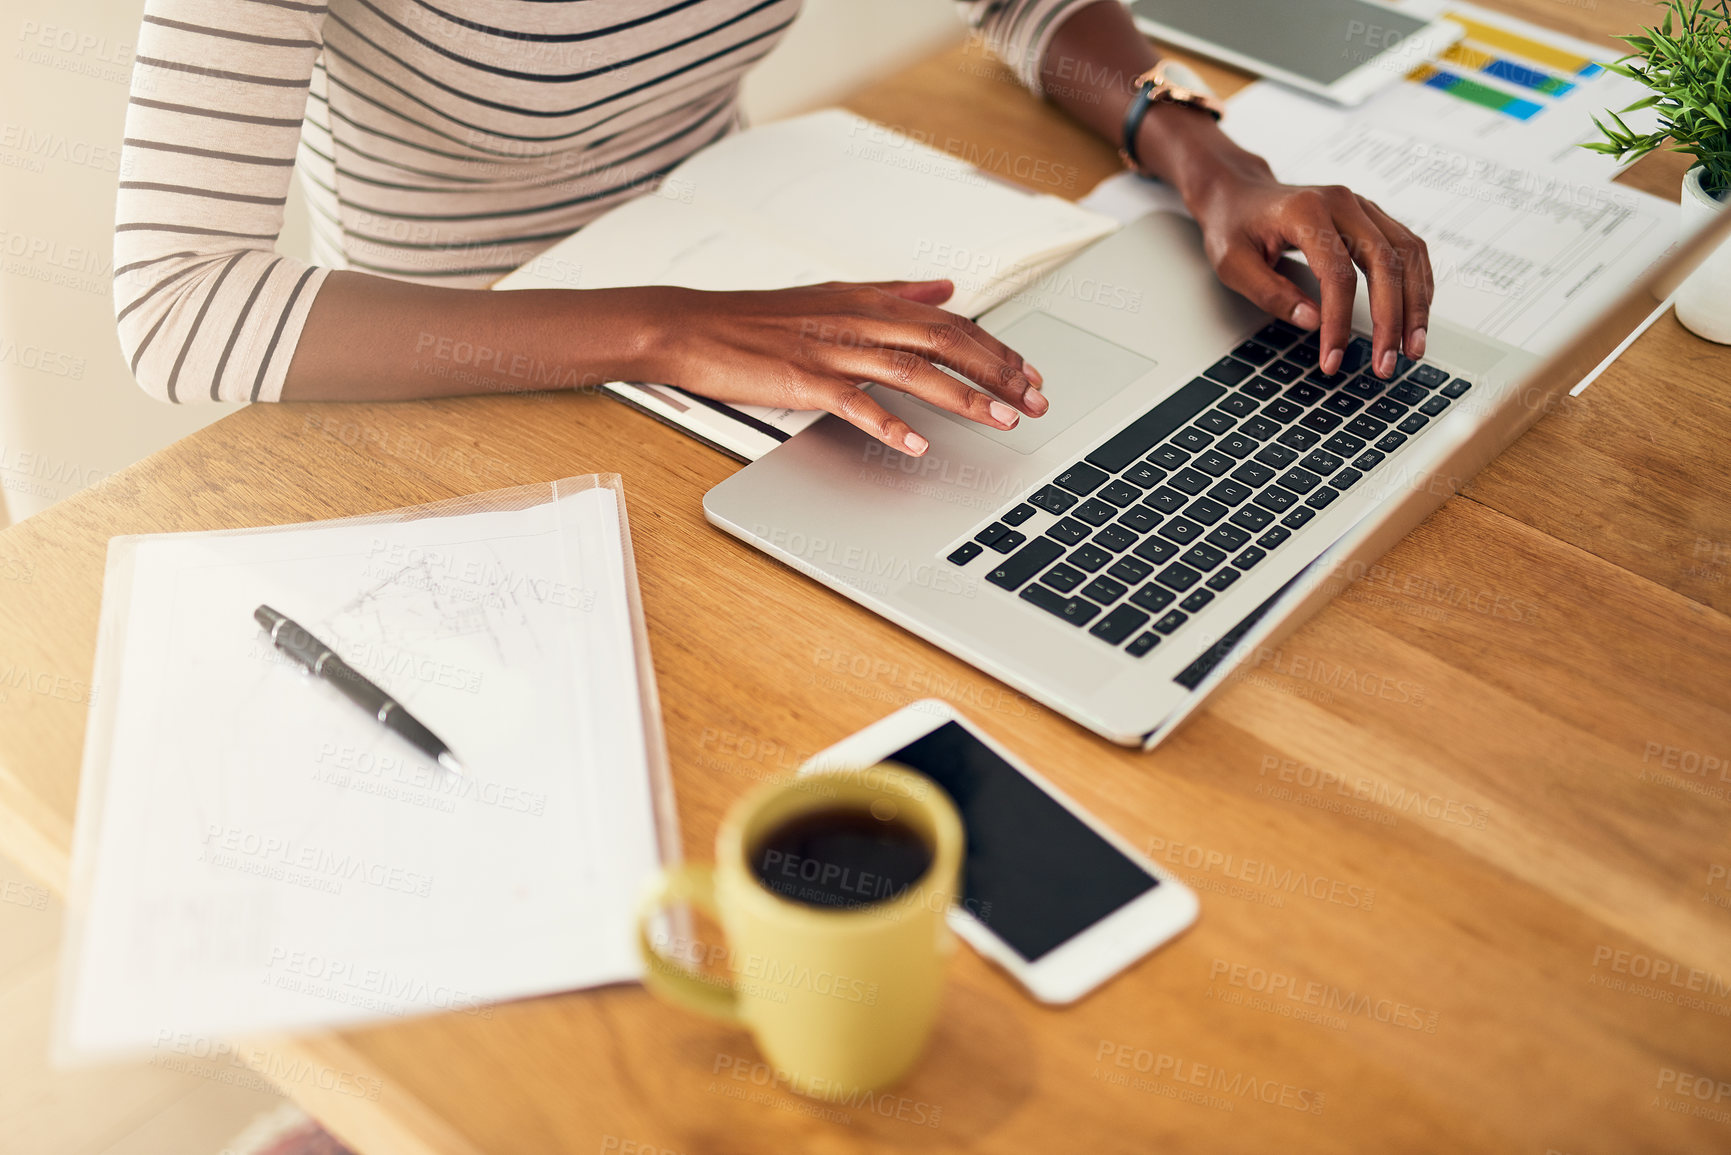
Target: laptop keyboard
<point x="1134" y="539"/>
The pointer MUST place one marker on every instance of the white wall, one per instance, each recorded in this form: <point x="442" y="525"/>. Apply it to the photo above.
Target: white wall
<point x="839" y="45"/>
<point x="69" y="412"/>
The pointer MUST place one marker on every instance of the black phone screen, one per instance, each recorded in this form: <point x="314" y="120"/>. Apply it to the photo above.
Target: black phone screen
<point x="1034" y="873"/>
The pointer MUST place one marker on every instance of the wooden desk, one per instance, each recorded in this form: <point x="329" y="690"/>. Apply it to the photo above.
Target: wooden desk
<point x="1479" y="802"/>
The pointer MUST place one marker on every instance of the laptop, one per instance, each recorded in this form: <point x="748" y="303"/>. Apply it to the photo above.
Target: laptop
<point x="1187" y="499"/>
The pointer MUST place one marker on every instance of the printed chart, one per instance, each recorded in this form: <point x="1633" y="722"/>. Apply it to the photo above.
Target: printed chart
<point x="1505" y="70"/>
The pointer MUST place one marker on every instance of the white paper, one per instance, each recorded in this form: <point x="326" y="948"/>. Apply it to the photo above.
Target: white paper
<point x="266" y="857"/>
<point x="829" y="196"/>
<point x="1547" y="141"/>
<point x="1517" y="255"/>
<point x="1125" y="196"/>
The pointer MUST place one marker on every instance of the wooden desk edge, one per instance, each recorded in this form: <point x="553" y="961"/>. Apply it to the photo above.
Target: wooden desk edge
<point x="394" y="1123"/>
<point x="40" y="844"/>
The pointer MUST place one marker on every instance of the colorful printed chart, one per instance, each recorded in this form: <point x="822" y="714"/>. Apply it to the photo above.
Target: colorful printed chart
<point x="1505" y="71"/>
<point x="1455" y="84"/>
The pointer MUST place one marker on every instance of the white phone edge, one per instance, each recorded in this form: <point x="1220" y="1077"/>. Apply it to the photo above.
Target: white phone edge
<point x="1085" y="960"/>
<point x="1352" y="89"/>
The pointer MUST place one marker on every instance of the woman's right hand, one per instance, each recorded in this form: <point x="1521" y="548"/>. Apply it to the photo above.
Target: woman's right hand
<point x="812" y="348"/>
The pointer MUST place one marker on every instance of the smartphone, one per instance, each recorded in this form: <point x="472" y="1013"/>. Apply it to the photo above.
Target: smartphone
<point x="1341" y="50"/>
<point x="1048" y="892"/>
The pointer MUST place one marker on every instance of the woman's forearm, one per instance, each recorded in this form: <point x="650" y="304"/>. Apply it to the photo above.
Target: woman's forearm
<point x="1089" y="70"/>
<point x="370" y="338"/>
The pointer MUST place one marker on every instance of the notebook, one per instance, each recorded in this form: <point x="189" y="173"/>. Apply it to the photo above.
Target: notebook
<point x="827" y="196"/>
<point x="254" y="854"/>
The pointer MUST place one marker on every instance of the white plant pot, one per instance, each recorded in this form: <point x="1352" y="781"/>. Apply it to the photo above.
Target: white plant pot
<point x="1704" y="300"/>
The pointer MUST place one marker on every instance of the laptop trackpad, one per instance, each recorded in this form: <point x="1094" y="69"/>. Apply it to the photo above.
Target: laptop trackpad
<point x="1082" y="373"/>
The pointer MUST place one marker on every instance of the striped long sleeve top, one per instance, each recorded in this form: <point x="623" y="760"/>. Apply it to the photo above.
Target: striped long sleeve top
<point x="439" y="141"/>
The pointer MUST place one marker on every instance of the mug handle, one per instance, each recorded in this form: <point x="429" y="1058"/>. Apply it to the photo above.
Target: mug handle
<point x="694" y="883"/>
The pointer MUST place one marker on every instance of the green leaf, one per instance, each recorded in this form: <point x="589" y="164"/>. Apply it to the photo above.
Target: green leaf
<point x="1685" y="64"/>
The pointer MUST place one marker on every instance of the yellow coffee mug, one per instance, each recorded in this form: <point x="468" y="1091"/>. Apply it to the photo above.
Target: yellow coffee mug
<point x="839" y="1000"/>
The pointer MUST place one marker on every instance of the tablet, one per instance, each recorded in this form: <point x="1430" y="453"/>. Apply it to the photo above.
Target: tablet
<point x="1342" y="50"/>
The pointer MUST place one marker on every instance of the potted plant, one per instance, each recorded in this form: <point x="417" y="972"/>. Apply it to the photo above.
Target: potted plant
<point x="1686" y="61"/>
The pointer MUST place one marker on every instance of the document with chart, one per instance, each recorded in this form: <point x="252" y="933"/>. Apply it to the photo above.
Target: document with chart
<point x="1479" y="153"/>
<point x="1512" y="249"/>
<point x="254" y="854"/>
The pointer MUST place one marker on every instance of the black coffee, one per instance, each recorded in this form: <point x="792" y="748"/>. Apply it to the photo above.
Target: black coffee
<point x="841" y="857"/>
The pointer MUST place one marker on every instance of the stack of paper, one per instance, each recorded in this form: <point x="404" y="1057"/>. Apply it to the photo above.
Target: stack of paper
<point x="253" y="853"/>
<point x="829" y="196"/>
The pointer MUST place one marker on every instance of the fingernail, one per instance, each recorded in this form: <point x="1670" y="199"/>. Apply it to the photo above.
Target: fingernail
<point x="1305" y="316"/>
<point x="1385" y="364"/>
<point x="1415" y="343"/>
<point x="1004" y="415"/>
<point x="1036" y="402"/>
<point x="915" y="444"/>
<point x="1034" y="375"/>
<point x="1331" y="363"/>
